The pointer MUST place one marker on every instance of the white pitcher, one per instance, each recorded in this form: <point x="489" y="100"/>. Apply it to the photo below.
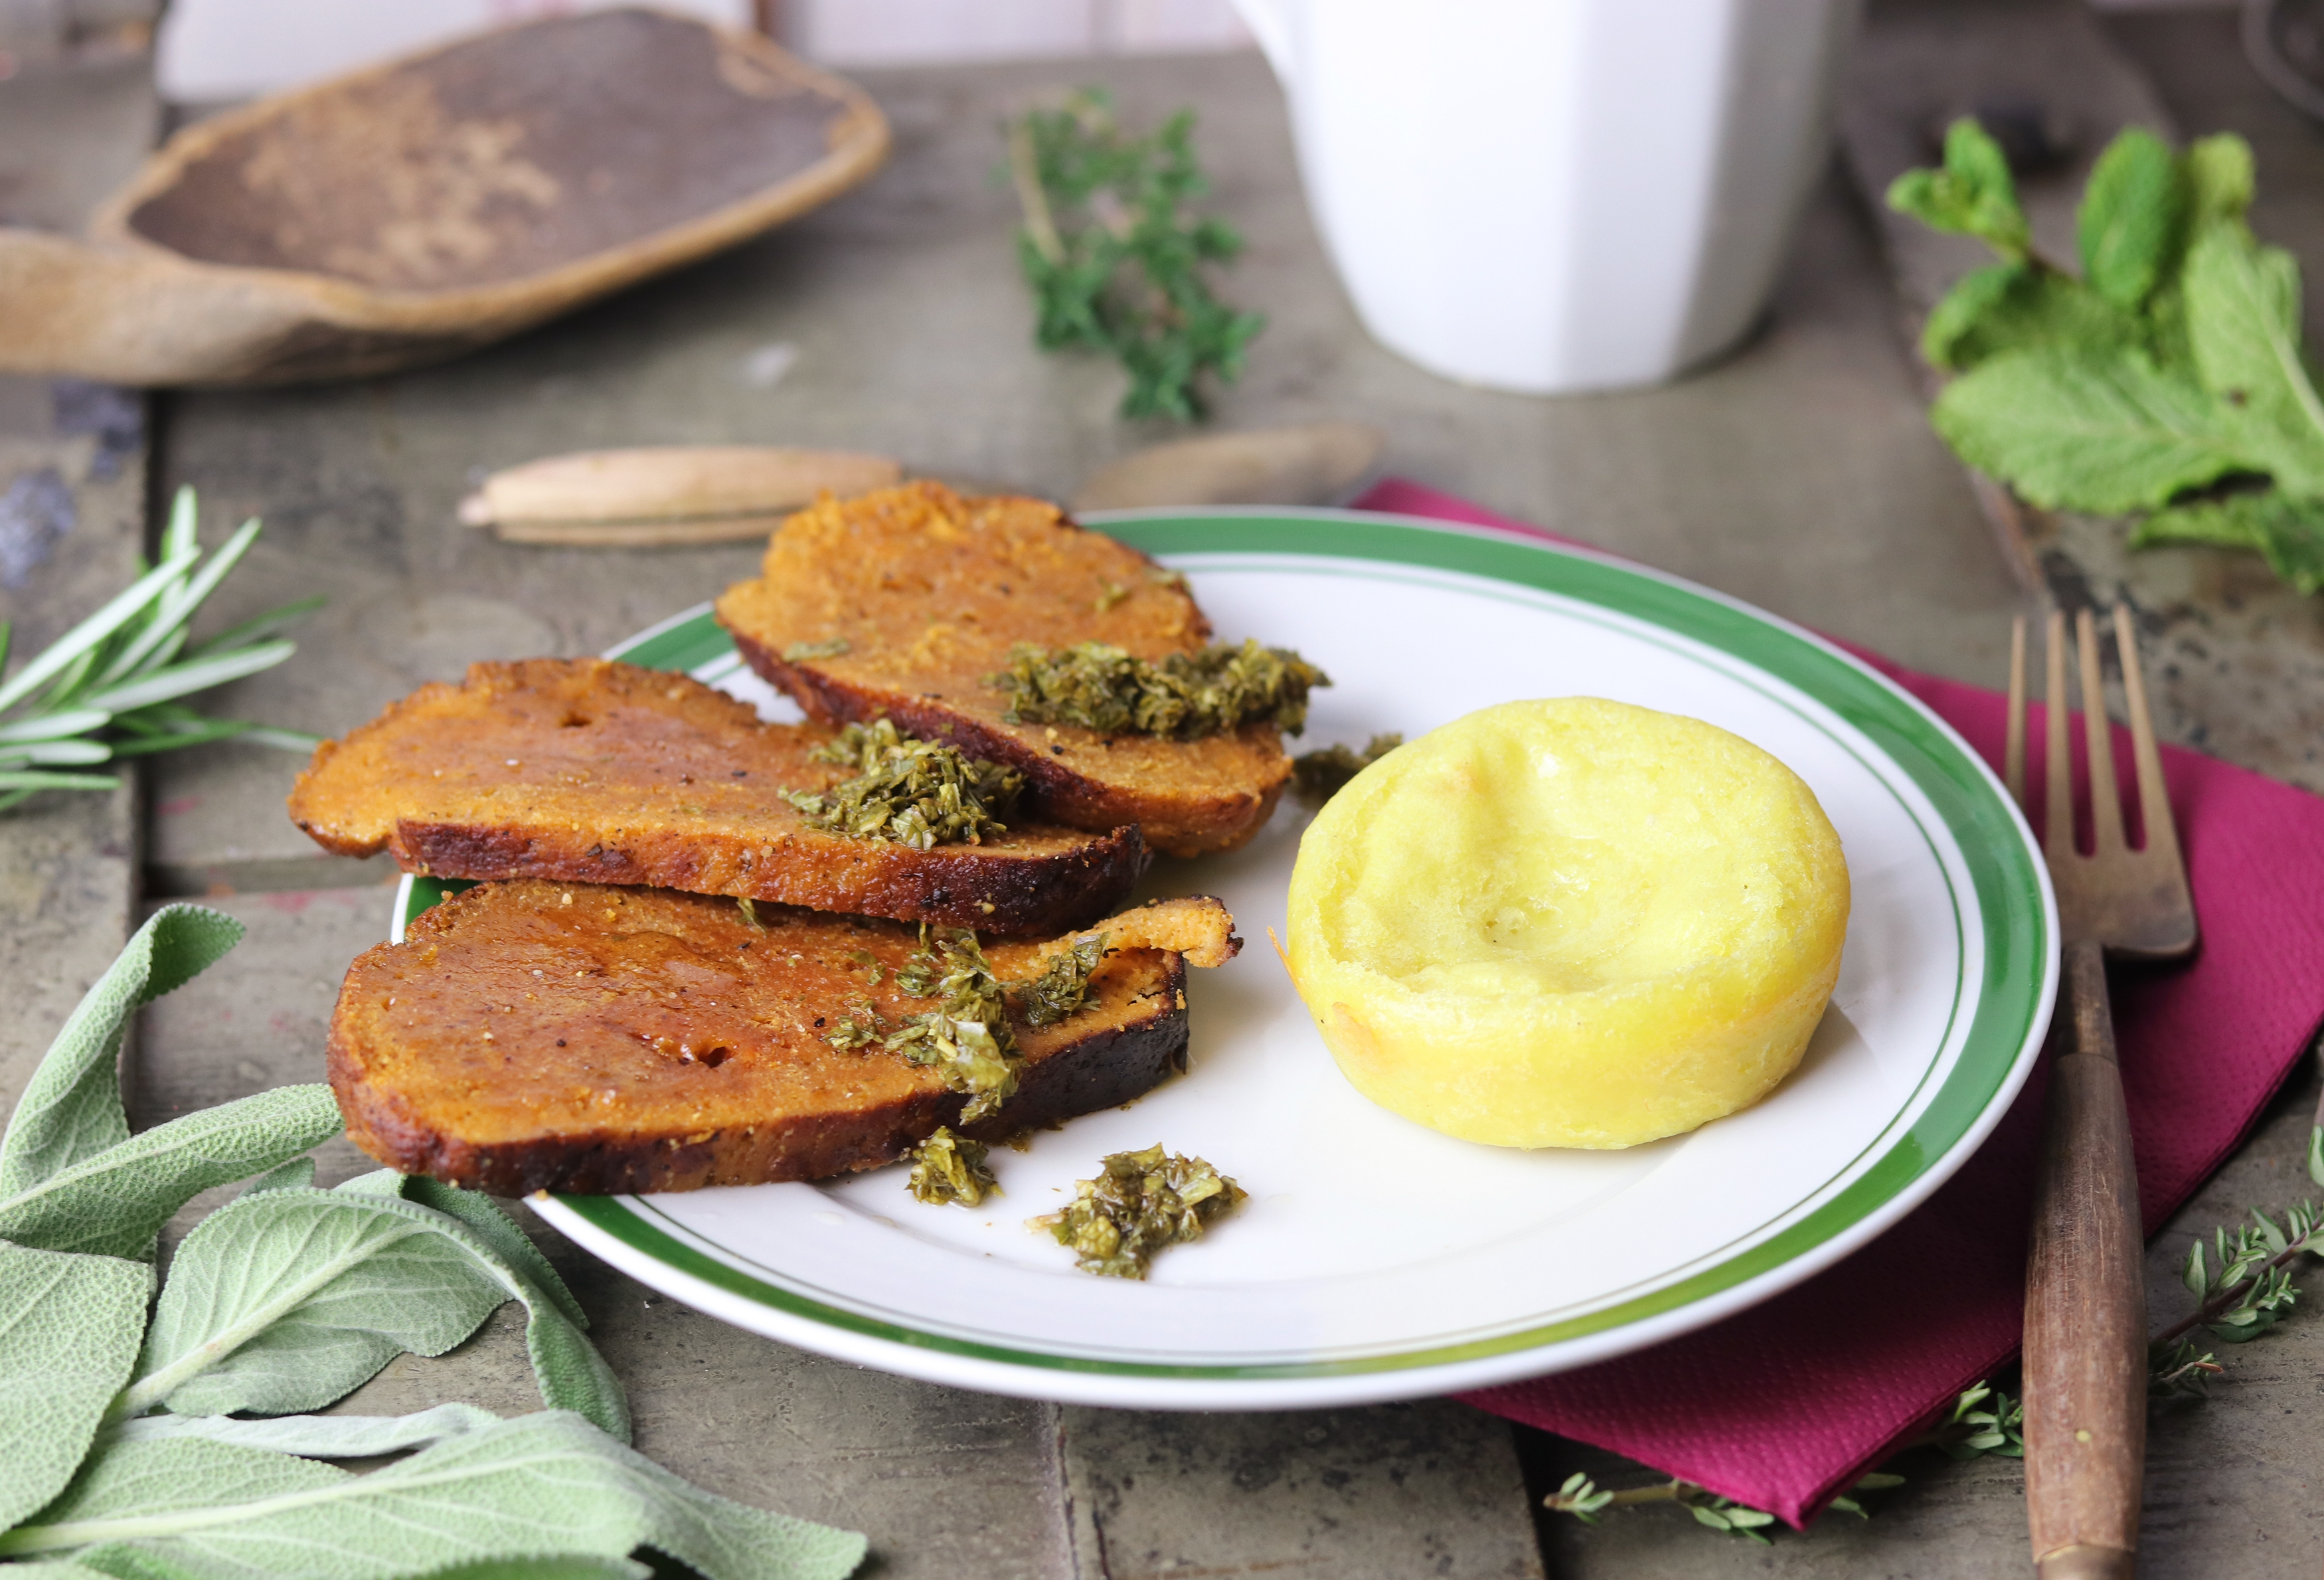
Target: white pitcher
<point x="1551" y="196"/>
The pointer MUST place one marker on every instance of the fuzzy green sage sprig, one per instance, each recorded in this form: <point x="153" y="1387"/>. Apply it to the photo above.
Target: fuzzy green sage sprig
<point x="1115" y="263"/>
<point x="109" y="687"/>
<point x="2167" y="378"/>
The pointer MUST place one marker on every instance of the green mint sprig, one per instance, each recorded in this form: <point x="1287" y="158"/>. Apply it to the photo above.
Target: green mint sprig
<point x="1115" y="263"/>
<point x="109" y="686"/>
<point x="2167" y="378"/>
<point x="118" y="1451"/>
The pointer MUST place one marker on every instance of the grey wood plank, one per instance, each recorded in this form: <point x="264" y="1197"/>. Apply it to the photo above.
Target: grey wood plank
<point x="1429" y="1487"/>
<point x="72" y="519"/>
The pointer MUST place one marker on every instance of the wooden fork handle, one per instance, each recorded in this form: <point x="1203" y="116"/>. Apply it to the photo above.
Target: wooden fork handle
<point x="2085" y="1304"/>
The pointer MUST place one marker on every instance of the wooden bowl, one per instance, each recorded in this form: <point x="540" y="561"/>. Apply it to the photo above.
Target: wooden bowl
<point x="418" y="209"/>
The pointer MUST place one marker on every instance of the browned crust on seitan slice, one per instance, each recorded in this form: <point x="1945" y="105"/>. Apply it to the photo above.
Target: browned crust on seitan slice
<point x="585" y="770"/>
<point x="930" y="591"/>
<point x="536" y="1036"/>
<point x="1196" y="925"/>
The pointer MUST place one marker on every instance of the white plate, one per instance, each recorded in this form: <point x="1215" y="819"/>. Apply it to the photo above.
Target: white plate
<point x="1376" y="1258"/>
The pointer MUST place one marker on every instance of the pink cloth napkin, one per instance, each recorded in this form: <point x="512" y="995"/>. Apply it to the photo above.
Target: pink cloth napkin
<point x="1783" y="1406"/>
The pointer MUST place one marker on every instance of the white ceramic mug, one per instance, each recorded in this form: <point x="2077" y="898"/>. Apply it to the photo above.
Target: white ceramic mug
<point x="1551" y="196"/>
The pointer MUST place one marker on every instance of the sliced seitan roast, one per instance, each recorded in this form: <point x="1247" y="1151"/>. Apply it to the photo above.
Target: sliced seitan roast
<point x="530" y="1035"/>
<point x="906" y="601"/>
<point x="591" y="770"/>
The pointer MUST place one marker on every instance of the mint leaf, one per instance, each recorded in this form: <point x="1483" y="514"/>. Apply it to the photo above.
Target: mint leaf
<point x="2219" y="181"/>
<point x="2016" y="307"/>
<point x="2289" y="533"/>
<point x="2071" y="430"/>
<point x="115" y="1202"/>
<point x="2242" y="329"/>
<point x="317" y="1437"/>
<point x="285" y="1300"/>
<point x="72" y="1108"/>
<point x="69" y="1332"/>
<point x="535" y="1487"/>
<point x="1972" y="195"/>
<point x="2129" y="219"/>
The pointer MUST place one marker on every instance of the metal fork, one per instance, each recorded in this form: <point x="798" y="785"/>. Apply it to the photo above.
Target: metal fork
<point x="2085" y="1292"/>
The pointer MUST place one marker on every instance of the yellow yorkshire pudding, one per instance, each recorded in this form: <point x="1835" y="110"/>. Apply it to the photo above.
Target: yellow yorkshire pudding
<point x="1569" y="923"/>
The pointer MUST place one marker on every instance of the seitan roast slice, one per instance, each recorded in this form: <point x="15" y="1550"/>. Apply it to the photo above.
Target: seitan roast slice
<point x="536" y="1036"/>
<point x="590" y="771"/>
<point x="929" y="592"/>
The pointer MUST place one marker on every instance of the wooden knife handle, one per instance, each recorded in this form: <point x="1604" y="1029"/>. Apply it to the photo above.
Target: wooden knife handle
<point x="2085" y="1304"/>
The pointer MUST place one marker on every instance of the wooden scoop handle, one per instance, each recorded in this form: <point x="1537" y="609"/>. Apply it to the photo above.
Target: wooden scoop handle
<point x="2085" y="1303"/>
<point x="128" y="316"/>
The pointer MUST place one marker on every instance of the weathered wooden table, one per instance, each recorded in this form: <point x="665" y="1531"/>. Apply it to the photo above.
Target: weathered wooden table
<point x="1799" y="474"/>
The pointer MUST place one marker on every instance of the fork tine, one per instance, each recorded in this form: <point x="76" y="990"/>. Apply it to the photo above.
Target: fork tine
<point x="2154" y="798"/>
<point x="2013" y="758"/>
<point x="2058" y="823"/>
<point x="2098" y="731"/>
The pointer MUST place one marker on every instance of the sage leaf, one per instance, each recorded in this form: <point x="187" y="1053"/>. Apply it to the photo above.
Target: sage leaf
<point x="317" y="1437"/>
<point x="298" y="1174"/>
<point x="2243" y="327"/>
<point x="2129" y="219"/>
<point x="535" y="1487"/>
<point x="496" y="1229"/>
<point x="115" y="1202"/>
<point x="283" y="1301"/>
<point x="2072" y="431"/>
<point x="69" y="1332"/>
<point x="70" y="1109"/>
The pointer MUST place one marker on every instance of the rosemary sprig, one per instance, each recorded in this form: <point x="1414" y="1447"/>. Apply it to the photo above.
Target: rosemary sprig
<point x="1114" y="262"/>
<point x="109" y="686"/>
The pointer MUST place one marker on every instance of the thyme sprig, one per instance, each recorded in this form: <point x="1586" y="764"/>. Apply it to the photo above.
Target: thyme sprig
<point x="1115" y="261"/>
<point x="908" y="792"/>
<point x="2250" y="1292"/>
<point x="1587" y="1502"/>
<point x="109" y="687"/>
<point x="2253" y="1287"/>
<point x="1098" y="686"/>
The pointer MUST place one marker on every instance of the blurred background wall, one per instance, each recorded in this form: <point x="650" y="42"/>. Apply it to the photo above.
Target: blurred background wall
<point x="214" y="49"/>
<point x="218" y="50"/>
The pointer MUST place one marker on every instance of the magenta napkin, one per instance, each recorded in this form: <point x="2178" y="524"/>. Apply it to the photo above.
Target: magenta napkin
<point x="1783" y="1406"/>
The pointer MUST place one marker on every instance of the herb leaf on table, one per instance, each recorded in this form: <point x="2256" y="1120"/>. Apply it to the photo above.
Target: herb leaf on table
<point x="71" y="1176"/>
<point x="68" y="1328"/>
<point x="120" y="672"/>
<point x="71" y="1109"/>
<point x="539" y="1484"/>
<point x="116" y="1203"/>
<point x="317" y="1437"/>
<point x="2167" y="378"/>
<point x="1115" y="263"/>
<point x="290" y="1298"/>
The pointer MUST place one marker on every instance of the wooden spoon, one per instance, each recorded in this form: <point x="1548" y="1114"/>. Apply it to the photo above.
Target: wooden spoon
<point x="671" y="494"/>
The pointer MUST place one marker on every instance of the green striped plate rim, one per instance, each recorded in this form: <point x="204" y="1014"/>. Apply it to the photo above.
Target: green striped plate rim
<point x="2009" y="1013"/>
